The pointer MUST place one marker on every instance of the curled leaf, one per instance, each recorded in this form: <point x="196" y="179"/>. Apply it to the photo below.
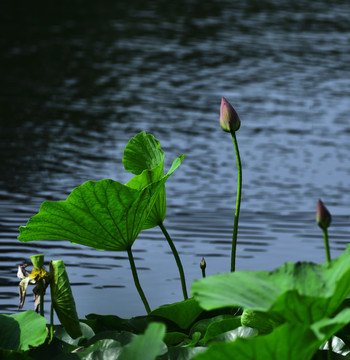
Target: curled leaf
<point x="62" y="299"/>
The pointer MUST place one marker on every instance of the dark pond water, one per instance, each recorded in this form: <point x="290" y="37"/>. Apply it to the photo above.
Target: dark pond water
<point x="77" y="81"/>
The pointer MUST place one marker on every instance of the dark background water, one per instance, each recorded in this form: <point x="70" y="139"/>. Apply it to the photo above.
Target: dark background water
<point x="81" y="78"/>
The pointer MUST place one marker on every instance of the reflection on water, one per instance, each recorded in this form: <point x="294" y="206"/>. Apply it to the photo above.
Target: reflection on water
<point x="79" y="81"/>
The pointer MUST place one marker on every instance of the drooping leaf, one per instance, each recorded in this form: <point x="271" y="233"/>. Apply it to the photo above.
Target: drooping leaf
<point x="288" y="341"/>
<point x="147" y="346"/>
<point x="22" y="331"/>
<point x="301" y="292"/>
<point x="62" y="299"/>
<point x="182" y="313"/>
<point x="102" y="214"/>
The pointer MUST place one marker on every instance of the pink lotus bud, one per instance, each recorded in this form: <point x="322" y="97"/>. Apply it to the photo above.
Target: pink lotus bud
<point x="229" y="119"/>
<point x="323" y="216"/>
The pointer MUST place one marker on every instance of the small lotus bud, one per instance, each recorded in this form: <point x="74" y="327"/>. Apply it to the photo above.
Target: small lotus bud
<point x="203" y="264"/>
<point x="323" y="217"/>
<point x="229" y="119"/>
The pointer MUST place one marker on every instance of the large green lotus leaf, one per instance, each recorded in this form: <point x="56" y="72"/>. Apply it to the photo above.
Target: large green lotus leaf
<point x="287" y="342"/>
<point x="102" y="214"/>
<point x="147" y="346"/>
<point x="62" y="299"/>
<point x="302" y="292"/>
<point x="143" y="152"/>
<point x="22" y="331"/>
<point x="139" y="182"/>
<point x="183" y="313"/>
<point x="147" y="177"/>
<point x="144" y="157"/>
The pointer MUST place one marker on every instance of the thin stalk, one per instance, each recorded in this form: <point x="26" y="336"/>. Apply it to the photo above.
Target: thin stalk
<point x="51" y="322"/>
<point x="42" y="292"/>
<point x="177" y="259"/>
<point x="136" y="281"/>
<point x="326" y="245"/>
<point x="238" y="203"/>
<point x="203" y="272"/>
<point x="328" y="258"/>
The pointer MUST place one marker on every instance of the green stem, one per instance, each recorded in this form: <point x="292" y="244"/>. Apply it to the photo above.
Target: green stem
<point x="329" y="352"/>
<point x="328" y="258"/>
<point x="177" y="259"/>
<point x="326" y="245"/>
<point x="41" y="288"/>
<point x="203" y="272"/>
<point x="238" y="203"/>
<point x="136" y="281"/>
<point x="51" y="322"/>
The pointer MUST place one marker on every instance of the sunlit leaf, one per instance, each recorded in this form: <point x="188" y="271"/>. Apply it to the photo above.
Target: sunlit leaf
<point x="62" y="299"/>
<point x="144" y="157"/>
<point x="22" y="331"/>
<point x="300" y="293"/>
<point x="141" y="153"/>
<point x="147" y="346"/>
<point x="102" y="214"/>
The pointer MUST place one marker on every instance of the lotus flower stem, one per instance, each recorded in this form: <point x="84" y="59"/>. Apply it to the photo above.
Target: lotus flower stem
<point x="238" y="202"/>
<point x="136" y="280"/>
<point x="324" y="219"/>
<point x="177" y="259"/>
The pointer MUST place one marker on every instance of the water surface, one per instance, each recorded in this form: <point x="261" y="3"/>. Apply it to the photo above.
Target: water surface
<point x="79" y="81"/>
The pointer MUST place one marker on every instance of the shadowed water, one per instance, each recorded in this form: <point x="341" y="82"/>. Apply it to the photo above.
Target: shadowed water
<point x="79" y="81"/>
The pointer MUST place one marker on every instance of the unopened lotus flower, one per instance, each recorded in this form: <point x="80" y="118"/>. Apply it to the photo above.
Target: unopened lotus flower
<point x="230" y="122"/>
<point x="323" y="216"/>
<point x="203" y="265"/>
<point x="229" y="119"/>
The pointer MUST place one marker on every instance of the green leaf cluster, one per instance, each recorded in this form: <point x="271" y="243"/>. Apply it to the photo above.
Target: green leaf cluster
<point x="298" y="305"/>
<point x="106" y="214"/>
